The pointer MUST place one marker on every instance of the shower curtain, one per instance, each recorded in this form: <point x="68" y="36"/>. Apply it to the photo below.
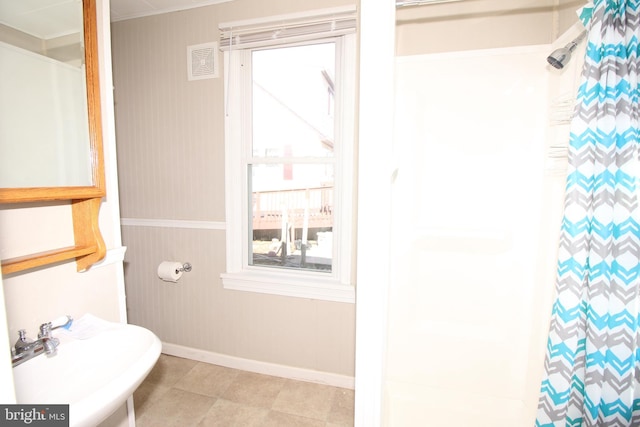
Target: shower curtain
<point x="592" y="367"/>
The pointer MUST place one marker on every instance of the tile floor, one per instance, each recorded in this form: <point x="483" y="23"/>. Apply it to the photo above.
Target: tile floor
<point x="182" y="393"/>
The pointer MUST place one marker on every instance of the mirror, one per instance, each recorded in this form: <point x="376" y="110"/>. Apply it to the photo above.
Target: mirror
<point x="50" y="134"/>
<point x="62" y="102"/>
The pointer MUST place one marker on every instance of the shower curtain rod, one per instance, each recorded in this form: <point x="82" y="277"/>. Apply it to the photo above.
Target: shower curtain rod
<point x="404" y="3"/>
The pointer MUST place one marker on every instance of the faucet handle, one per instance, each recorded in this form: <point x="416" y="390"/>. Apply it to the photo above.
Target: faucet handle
<point x="45" y="330"/>
<point x="49" y="343"/>
<point x="23" y="341"/>
<point x="61" y="322"/>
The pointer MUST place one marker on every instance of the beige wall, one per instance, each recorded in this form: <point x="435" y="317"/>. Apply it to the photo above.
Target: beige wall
<point x="171" y="167"/>
<point x="481" y="24"/>
<point x="567" y="15"/>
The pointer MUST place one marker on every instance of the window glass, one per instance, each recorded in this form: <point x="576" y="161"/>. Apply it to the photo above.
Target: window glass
<point x="291" y="218"/>
<point x="291" y="215"/>
<point x="293" y="101"/>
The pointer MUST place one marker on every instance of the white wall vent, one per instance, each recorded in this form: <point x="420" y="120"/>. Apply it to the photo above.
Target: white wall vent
<point x="202" y="61"/>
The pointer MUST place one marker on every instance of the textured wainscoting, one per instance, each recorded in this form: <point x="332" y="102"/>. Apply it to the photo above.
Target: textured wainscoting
<point x="198" y="313"/>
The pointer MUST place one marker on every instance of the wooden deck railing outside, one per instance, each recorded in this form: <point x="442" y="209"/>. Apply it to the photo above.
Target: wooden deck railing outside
<point x="311" y="205"/>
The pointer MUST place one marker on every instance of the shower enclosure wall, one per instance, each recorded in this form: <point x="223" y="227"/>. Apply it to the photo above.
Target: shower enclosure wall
<point x="477" y="204"/>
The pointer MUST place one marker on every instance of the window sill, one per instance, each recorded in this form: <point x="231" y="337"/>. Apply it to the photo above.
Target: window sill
<point x="327" y="289"/>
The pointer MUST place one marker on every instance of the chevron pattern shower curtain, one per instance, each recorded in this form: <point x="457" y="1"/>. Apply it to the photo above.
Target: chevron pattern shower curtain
<point x="592" y="366"/>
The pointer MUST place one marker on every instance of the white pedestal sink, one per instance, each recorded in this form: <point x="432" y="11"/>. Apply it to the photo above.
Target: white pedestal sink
<point x="95" y="376"/>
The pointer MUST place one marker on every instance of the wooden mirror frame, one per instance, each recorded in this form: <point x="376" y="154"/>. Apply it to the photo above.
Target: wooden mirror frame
<point x="85" y="200"/>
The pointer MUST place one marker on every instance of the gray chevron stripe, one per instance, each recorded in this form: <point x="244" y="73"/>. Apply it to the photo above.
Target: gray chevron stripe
<point x="624" y="246"/>
<point x="614" y="157"/>
<point x="604" y="341"/>
<point x="626" y="294"/>
<point x="594" y="72"/>
<point x="627" y="245"/>
<point x="578" y="199"/>
<point x="579" y="158"/>
<point x="580" y="243"/>
<point x="569" y="287"/>
<point x="566" y="331"/>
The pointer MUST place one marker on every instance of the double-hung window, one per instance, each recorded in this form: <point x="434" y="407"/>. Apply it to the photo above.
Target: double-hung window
<point x="289" y="140"/>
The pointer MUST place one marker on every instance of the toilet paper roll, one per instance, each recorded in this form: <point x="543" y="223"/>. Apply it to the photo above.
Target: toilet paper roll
<point x="169" y="271"/>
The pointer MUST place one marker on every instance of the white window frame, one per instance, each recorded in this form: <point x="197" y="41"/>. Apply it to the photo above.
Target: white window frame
<point x="331" y="286"/>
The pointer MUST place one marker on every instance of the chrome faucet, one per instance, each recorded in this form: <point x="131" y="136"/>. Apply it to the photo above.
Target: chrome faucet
<point x="26" y="348"/>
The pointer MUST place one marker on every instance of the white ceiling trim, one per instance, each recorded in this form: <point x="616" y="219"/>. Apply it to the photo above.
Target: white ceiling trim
<point x="129" y="9"/>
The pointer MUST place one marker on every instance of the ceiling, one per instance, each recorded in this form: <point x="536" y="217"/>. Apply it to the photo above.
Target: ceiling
<point x="127" y="9"/>
<point x="48" y="19"/>
<point x="44" y="19"/>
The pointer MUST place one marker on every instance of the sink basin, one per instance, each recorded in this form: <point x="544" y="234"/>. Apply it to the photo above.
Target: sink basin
<point x="95" y="376"/>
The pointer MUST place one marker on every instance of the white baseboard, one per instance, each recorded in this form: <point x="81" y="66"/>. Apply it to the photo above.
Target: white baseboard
<point x="265" y="368"/>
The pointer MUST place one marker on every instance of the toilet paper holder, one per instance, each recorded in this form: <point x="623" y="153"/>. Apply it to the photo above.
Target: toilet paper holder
<point x="186" y="267"/>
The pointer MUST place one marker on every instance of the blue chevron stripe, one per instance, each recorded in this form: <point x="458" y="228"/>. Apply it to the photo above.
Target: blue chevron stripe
<point x="578" y="179"/>
<point x="608" y="359"/>
<point x="571" y="265"/>
<point x="558" y="397"/>
<point x="606" y="270"/>
<point x="577" y="384"/>
<point x="562" y="350"/>
<point x="590" y="138"/>
<point x="569" y="314"/>
<point x="577" y="228"/>
<point x="628" y="276"/>
<point x="624" y="318"/>
<point x="613" y="180"/>
<point x="596" y="52"/>
<point x="598" y="271"/>
<point x="606" y="178"/>
<point x="627" y="136"/>
<point x="586" y="138"/>
<point x="605" y="231"/>
<point x="609" y="321"/>
<point x="578" y="422"/>
<point x="592" y="92"/>
<point x="629" y="226"/>
<point x="616" y="407"/>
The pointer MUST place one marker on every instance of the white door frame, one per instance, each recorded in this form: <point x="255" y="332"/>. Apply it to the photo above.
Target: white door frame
<point x="375" y="171"/>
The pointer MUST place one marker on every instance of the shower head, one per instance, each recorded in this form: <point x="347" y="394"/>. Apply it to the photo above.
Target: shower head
<point x="561" y="57"/>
